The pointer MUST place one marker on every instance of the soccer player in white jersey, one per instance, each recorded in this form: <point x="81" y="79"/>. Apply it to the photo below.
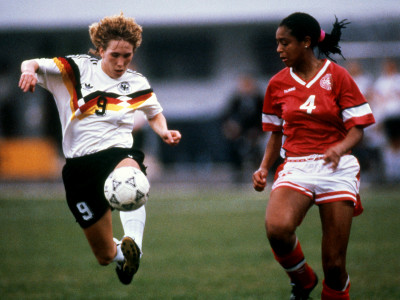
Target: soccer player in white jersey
<point x="96" y="99"/>
<point x="316" y="115"/>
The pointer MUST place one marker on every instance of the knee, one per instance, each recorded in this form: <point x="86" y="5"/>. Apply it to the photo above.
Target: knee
<point x="281" y="236"/>
<point x="279" y="230"/>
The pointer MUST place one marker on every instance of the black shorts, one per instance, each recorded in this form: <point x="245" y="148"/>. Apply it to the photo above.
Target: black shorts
<point x="84" y="179"/>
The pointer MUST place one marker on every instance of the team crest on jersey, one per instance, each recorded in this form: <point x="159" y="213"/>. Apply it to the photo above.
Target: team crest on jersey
<point x="326" y="82"/>
<point x="124" y="87"/>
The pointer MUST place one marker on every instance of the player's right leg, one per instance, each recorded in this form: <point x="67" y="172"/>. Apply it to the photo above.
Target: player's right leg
<point x="106" y="250"/>
<point x="100" y="238"/>
<point x="285" y="212"/>
<point x="84" y="185"/>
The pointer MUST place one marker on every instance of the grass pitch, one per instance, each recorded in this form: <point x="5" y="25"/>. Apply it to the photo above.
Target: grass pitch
<point x="199" y="243"/>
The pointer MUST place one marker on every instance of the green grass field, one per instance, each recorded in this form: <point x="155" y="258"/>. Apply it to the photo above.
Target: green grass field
<point x="199" y="244"/>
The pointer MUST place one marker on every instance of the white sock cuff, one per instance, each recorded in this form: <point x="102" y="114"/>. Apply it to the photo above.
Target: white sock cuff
<point x="119" y="256"/>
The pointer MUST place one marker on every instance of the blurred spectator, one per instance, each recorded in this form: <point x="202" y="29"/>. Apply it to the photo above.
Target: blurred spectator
<point x="391" y="153"/>
<point x="386" y="106"/>
<point x="386" y="100"/>
<point x="241" y="125"/>
<point x="364" y="81"/>
<point x="368" y="152"/>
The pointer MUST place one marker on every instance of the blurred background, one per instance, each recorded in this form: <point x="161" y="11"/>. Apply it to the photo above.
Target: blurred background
<point x="209" y="63"/>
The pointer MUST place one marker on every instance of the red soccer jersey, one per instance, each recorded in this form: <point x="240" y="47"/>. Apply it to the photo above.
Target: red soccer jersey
<point x="314" y="115"/>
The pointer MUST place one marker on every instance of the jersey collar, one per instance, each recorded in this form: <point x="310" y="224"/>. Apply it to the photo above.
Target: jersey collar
<point x="316" y="77"/>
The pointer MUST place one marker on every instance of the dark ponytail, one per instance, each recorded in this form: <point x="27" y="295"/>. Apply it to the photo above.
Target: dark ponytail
<point x="330" y="43"/>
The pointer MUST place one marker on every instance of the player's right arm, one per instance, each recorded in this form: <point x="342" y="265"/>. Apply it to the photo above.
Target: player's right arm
<point x="28" y="79"/>
<point x="270" y="156"/>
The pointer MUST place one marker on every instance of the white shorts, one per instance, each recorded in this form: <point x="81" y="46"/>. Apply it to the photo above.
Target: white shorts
<point x="309" y="176"/>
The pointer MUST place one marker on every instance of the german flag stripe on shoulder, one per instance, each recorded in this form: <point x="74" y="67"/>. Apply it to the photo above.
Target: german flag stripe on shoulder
<point x="71" y="78"/>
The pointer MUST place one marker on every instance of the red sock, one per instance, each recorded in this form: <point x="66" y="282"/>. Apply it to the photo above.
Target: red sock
<point x="331" y="294"/>
<point x="296" y="267"/>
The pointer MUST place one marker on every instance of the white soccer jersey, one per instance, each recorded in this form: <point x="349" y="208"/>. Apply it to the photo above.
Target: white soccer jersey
<point x="96" y="111"/>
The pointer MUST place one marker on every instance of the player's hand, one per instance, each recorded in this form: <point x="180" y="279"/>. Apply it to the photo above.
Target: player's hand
<point x="332" y="156"/>
<point x="172" y="137"/>
<point x="27" y="81"/>
<point x="260" y="179"/>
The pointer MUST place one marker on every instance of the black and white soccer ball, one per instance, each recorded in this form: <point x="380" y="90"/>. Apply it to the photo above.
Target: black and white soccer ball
<point x="127" y="189"/>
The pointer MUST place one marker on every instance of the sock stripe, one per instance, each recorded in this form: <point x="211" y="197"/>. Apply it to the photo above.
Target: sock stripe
<point x="296" y="267"/>
<point x="347" y="283"/>
<point x="294" y="258"/>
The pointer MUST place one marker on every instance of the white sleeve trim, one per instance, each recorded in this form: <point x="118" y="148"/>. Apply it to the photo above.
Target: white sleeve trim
<point x="272" y="119"/>
<point x="356" y="112"/>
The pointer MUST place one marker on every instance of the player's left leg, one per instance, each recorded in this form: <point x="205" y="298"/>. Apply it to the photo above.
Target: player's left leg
<point x="128" y="162"/>
<point x="133" y="223"/>
<point x="336" y="218"/>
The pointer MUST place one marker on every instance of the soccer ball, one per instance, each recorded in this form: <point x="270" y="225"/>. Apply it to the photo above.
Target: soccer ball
<point x="126" y="188"/>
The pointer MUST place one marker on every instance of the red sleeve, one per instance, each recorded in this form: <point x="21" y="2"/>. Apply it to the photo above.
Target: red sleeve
<point x="271" y="117"/>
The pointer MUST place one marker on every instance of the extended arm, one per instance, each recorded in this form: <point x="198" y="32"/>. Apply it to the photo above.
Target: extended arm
<point x="28" y="78"/>
<point x="159" y="126"/>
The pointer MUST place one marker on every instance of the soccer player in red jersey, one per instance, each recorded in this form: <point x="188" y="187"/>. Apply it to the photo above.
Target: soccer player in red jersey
<point x="316" y="115"/>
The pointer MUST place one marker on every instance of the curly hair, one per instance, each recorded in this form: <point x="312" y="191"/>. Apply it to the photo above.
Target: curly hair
<point x="302" y="25"/>
<point x="116" y="27"/>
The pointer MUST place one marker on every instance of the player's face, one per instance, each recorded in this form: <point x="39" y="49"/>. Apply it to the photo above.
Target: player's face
<point x="290" y="50"/>
<point x="116" y="58"/>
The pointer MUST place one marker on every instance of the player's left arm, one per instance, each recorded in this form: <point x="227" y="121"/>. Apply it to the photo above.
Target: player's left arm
<point x="334" y="153"/>
<point x="159" y="125"/>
